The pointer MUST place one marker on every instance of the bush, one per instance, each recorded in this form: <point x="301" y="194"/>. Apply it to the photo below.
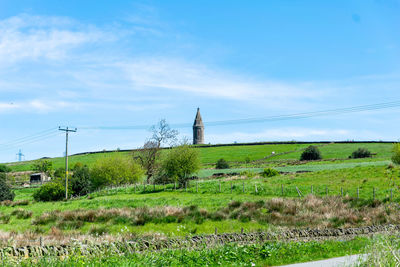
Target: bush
<point x="222" y="164"/>
<point x="5" y="190"/>
<point x="80" y="180"/>
<point x="396" y="153"/>
<point x="4" y="168"/>
<point x="360" y="153"/>
<point x="311" y="153"/>
<point x="180" y="163"/>
<point x="52" y="191"/>
<point x="59" y="172"/>
<point x="115" y="171"/>
<point x="268" y="172"/>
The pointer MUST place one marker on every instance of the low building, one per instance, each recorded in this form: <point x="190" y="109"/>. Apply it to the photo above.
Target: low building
<point x="39" y="178"/>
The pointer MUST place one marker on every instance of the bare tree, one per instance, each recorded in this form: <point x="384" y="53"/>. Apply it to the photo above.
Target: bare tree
<point x="149" y="154"/>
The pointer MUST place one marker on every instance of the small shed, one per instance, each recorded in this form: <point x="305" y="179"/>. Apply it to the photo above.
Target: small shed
<point x="39" y="178"/>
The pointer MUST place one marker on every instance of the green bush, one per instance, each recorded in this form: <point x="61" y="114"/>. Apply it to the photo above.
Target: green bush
<point x="52" y="191"/>
<point x="5" y="190"/>
<point x="80" y="180"/>
<point x="180" y="163"/>
<point x="59" y="172"/>
<point x="4" y="168"/>
<point x="396" y="153"/>
<point x="269" y="172"/>
<point x="115" y="171"/>
<point x="360" y="153"/>
<point x="222" y="164"/>
<point x="311" y="153"/>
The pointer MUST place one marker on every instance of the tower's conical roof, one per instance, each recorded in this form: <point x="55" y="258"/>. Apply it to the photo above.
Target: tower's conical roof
<point x="198" y="121"/>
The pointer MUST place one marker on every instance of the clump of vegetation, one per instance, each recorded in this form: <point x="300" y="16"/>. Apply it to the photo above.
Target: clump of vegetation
<point x="4" y="218"/>
<point x="44" y="166"/>
<point x="360" y="153"/>
<point x="5" y="191"/>
<point x="114" y="171"/>
<point x="396" y="153"/>
<point x="81" y="184"/>
<point x="59" y="172"/>
<point x="269" y="172"/>
<point x="21" y="213"/>
<point x="180" y="163"/>
<point x="247" y="174"/>
<point x="4" y="168"/>
<point x="311" y="153"/>
<point x="222" y="164"/>
<point x="52" y="191"/>
<point x="10" y="203"/>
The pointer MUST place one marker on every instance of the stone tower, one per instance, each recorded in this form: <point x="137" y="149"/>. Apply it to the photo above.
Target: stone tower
<point x="198" y="129"/>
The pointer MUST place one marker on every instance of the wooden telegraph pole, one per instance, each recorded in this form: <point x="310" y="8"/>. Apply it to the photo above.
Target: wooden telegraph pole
<point x="66" y="130"/>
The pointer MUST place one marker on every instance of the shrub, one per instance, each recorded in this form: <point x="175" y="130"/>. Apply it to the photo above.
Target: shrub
<point x="311" y="153"/>
<point x="80" y="180"/>
<point x="360" y="153"/>
<point x="396" y="153"/>
<point x="269" y="172"/>
<point x="44" y="166"/>
<point x="59" y="172"/>
<point x="5" y="190"/>
<point x="115" y="171"/>
<point x="21" y="213"/>
<point x="4" y="168"/>
<point x="52" y="191"/>
<point x="222" y="164"/>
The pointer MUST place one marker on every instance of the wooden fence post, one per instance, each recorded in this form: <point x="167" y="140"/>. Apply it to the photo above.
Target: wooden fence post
<point x="373" y="193"/>
<point x="312" y="190"/>
<point x="282" y="189"/>
<point x="341" y="191"/>
<point x="358" y="192"/>
<point x="391" y="194"/>
<point x="231" y="188"/>
<point x="220" y="186"/>
<point x="243" y="187"/>
<point x="197" y="186"/>
<point x="256" y="188"/>
<point x="216" y="230"/>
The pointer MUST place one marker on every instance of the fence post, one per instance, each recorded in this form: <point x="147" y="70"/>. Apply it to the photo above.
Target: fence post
<point x="391" y="194"/>
<point x="326" y="189"/>
<point x="164" y="187"/>
<point x="231" y="187"/>
<point x="358" y="192"/>
<point x="220" y="186"/>
<point x="243" y="187"/>
<point x="256" y="188"/>
<point x="241" y="231"/>
<point x="197" y="186"/>
<point x="216" y="230"/>
<point x="373" y="193"/>
<point x="341" y="191"/>
<point x="312" y="190"/>
<point x="185" y="185"/>
<point x="282" y="189"/>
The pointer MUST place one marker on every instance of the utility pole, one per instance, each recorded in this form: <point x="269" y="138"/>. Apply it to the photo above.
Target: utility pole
<point x="66" y="130"/>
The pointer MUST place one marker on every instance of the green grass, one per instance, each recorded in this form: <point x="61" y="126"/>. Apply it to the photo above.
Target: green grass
<point x="266" y="254"/>
<point x="210" y="155"/>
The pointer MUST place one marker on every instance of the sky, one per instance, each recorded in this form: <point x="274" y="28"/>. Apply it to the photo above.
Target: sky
<point x="122" y="64"/>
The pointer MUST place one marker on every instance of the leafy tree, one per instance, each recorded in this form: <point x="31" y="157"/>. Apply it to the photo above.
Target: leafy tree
<point x="80" y="180"/>
<point x="222" y="164"/>
<point x="396" y="153"/>
<point x="149" y="155"/>
<point x="5" y="191"/>
<point x="4" y="168"/>
<point x="44" y="166"/>
<point x="311" y="153"/>
<point x="114" y="171"/>
<point x="59" y="172"/>
<point x="180" y="163"/>
<point x="360" y="153"/>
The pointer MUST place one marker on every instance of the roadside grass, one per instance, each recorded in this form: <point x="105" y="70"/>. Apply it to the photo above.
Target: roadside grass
<point x="265" y="254"/>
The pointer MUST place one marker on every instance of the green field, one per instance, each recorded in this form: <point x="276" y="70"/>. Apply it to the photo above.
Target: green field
<point x="333" y="192"/>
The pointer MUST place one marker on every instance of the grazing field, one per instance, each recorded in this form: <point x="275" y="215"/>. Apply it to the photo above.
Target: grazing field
<point x="335" y="192"/>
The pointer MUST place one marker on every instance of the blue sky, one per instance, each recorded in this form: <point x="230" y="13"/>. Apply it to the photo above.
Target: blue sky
<point x="125" y="63"/>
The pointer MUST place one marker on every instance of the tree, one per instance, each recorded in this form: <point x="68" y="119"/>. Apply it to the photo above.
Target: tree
<point x="44" y="166"/>
<point x="80" y="180"/>
<point x="311" y="153"/>
<point x="5" y="191"/>
<point x="180" y="163"/>
<point x="149" y="155"/>
<point x="115" y="171"/>
<point x="396" y="153"/>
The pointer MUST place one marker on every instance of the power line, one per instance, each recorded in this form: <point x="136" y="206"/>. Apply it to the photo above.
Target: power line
<point x="304" y="115"/>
